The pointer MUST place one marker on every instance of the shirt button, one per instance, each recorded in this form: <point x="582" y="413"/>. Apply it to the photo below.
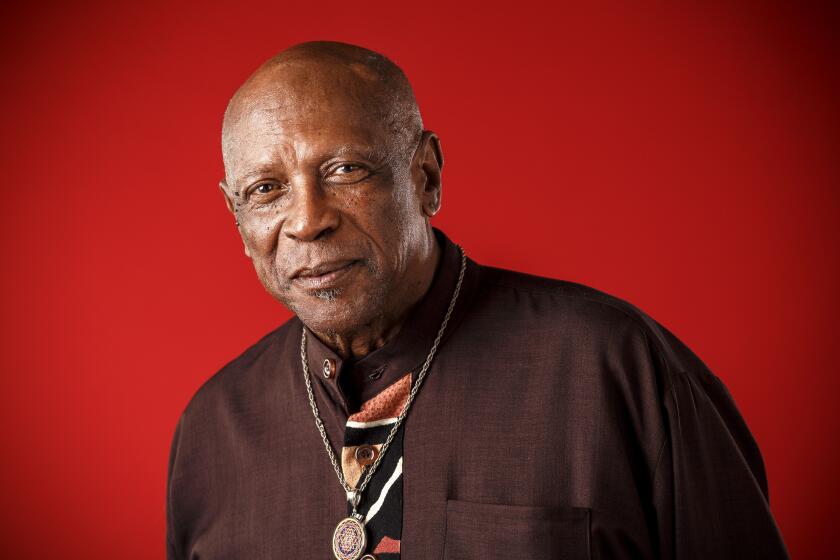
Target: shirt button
<point x="366" y="455"/>
<point x="329" y="368"/>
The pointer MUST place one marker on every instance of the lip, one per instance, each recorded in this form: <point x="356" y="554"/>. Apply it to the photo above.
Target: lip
<point x="323" y="275"/>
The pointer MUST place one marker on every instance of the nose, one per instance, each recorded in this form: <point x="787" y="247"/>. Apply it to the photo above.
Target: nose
<point x="310" y="215"/>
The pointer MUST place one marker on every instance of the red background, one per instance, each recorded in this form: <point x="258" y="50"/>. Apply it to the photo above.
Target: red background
<point x="683" y="158"/>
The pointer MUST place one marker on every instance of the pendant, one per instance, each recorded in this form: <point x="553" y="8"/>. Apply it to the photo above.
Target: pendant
<point x="349" y="539"/>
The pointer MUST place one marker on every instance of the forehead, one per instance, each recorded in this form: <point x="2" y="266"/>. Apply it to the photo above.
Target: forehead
<point x="290" y="145"/>
<point x="286" y="126"/>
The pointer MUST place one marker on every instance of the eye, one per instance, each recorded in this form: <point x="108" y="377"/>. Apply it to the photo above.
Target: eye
<point x="348" y="173"/>
<point x="265" y="192"/>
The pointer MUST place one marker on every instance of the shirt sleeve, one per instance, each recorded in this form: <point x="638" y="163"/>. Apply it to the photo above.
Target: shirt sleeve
<point x="709" y="485"/>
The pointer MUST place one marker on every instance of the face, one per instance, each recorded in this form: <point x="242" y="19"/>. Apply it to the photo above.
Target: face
<point x="332" y="207"/>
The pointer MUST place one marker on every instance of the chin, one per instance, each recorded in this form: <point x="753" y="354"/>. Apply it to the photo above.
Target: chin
<point x="334" y="310"/>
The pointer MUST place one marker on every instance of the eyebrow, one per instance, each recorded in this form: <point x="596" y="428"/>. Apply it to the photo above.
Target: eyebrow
<point x="260" y="171"/>
<point x="374" y="154"/>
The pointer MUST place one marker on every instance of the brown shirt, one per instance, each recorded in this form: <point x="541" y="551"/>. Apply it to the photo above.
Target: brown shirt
<point x="556" y="421"/>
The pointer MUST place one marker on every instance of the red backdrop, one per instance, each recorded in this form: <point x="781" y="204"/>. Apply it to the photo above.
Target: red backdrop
<point x="685" y="159"/>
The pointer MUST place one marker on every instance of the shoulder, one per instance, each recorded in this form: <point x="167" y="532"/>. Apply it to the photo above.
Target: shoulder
<point x="588" y="316"/>
<point x="575" y="300"/>
<point x="242" y="380"/>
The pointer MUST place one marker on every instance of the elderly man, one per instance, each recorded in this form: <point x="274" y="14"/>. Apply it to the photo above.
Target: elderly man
<point x="422" y="405"/>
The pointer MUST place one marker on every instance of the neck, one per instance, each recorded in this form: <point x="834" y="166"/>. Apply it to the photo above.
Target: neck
<point x="384" y="327"/>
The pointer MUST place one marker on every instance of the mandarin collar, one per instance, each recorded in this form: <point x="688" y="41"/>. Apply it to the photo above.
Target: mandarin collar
<point x="408" y="350"/>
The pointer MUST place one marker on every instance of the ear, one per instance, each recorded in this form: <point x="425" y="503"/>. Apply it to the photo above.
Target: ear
<point x="430" y="163"/>
<point x="231" y="206"/>
<point x="228" y="200"/>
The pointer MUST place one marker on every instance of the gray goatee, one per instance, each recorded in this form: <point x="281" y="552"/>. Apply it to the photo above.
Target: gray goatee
<point x="328" y="295"/>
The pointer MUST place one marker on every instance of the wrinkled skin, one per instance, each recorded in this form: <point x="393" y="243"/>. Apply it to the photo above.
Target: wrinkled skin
<point x="332" y="186"/>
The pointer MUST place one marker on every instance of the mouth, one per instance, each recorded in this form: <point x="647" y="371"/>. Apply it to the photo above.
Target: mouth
<point x="324" y="275"/>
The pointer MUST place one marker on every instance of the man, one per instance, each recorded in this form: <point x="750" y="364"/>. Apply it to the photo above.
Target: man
<point x="420" y="405"/>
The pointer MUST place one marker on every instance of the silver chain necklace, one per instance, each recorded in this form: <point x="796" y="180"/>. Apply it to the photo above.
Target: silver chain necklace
<point x="349" y="538"/>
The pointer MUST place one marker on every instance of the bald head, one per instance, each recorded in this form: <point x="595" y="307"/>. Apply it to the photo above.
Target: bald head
<point x="311" y="78"/>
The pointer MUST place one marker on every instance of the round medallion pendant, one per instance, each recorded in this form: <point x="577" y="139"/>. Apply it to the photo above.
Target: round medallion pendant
<point x="349" y="539"/>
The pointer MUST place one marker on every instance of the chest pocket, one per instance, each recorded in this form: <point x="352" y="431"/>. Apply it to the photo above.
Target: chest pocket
<point x="493" y="531"/>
